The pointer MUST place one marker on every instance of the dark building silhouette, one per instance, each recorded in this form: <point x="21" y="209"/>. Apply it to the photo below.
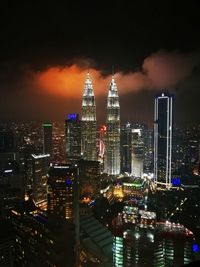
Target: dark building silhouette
<point x="47" y="138"/>
<point x="42" y="240"/>
<point x="125" y="142"/>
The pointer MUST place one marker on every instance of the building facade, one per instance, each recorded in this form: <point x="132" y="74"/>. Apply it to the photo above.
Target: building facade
<point x="141" y="241"/>
<point x="112" y="149"/>
<point x="73" y="137"/>
<point x="61" y="191"/>
<point x="163" y="126"/>
<point x="47" y="138"/>
<point x="41" y="240"/>
<point x="88" y="122"/>
<point x="137" y="150"/>
<point x="37" y="178"/>
<point x="126" y="148"/>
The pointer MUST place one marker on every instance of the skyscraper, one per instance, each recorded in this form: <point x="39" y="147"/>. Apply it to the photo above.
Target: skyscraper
<point x="37" y="177"/>
<point x="73" y="137"/>
<point x="126" y="148"/>
<point x="112" y="150"/>
<point x="62" y="184"/>
<point x="163" y="138"/>
<point x="137" y="148"/>
<point x="47" y="138"/>
<point x="88" y="122"/>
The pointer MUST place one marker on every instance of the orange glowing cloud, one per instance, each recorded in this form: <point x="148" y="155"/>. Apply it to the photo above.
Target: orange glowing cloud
<point x="160" y="70"/>
<point x="69" y="81"/>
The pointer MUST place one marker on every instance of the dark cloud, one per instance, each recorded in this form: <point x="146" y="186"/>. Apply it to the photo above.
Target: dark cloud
<point x="29" y="94"/>
<point x="140" y="38"/>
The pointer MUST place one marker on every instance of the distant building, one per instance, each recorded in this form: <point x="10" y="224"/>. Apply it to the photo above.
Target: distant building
<point x="88" y="122"/>
<point x="163" y="127"/>
<point x="137" y="149"/>
<point x="7" y="147"/>
<point x="112" y="148"/>
<point x="62" y="190"/>
<point x="38" y="178"/>
<point x="73" y="137"/>
<point x="101" y="145"/>
<point x="126" y="148"/>
<point x="47" y="138"/>
<point x="7" y="141"/>
<point x="89" y="173"/>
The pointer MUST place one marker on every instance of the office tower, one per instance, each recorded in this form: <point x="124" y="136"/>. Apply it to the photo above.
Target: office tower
<point x="37" y="172"/>
<point x="148" y="150"/>
<point x="163" y="138"/>
<point x="88" y="122"/>
<point x="73" y="137"/>
<point x="112" y="150"/>
<point x="59" y="154"/>
<point x="62" y="184"/>
<point x="47" y="138"/>
<point x="137" y="147"/>
<point x="126" y="148"/>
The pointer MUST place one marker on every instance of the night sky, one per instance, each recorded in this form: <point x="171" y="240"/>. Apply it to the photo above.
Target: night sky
<point x="47" y="48"/>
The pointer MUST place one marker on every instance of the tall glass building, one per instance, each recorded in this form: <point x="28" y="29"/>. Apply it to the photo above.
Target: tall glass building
<point x="163" y="123"/>
<point x="137" y="148"/>
<point x="88" y="122"/>
<point x="112" y="149"/>
<point x="73" y="137"/>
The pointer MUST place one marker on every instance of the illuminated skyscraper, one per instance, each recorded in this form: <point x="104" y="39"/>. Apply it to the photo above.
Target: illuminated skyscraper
<point x="47" y="138"/>
<point x="62" y="184"/>
<point x="126" y="148"/>
<point x="112" y="156"/>
<point x="163" y="139"/>
<point x="137" y="148"/>
<point x="37" y="178"/>
<point x="88" y="122"/>
<point x="73" y="137"/>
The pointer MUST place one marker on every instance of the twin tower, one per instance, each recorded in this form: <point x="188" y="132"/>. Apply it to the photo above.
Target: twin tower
<point x="89" y="127"/>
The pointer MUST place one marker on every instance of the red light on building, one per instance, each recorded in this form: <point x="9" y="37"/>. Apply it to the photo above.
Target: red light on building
<point x="103" y="128"/>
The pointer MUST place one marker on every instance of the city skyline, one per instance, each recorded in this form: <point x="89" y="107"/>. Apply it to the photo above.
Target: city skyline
<point x="99" y="134"/>
<point x="153" y="47"/>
